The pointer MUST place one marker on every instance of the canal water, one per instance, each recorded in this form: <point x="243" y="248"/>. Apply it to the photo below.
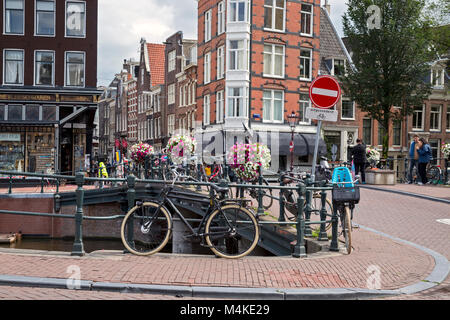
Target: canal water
<point x="64" y="245"/>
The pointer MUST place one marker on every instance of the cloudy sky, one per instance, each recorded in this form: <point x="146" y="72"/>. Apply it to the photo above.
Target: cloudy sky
<point x="123" y="23"/>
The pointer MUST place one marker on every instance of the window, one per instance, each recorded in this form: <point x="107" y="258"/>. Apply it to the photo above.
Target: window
<point x="367" y="131"/>
<point x="221" y="17"/>
<point x="45" y="18"/>
<point x="220" y="62"/>
<point x="220" y="106"/>
<point x="193" y="93"/>
<point x="418" y="120"/>
<point x="207" y="68"/>
<point x="2" y="112"/>
<point x="397" y="132"/>
<point x="75" y="69"/>
<point x="437" y="78"/>
<point x="305" y="102"/>
<point x="348" y="110"/>
<point x="44" y="68"/>
<point x="237" y="11"/>
<point x="14" y="17"/>
<point x="306" y="20"/>
<point x="238" y="56"/>
<point x="273" y="106"/>
<point x="381" y="134"/>
<point x="32" y="113"/>
<point x="15" y="112"/>
<point x="448" y="118"/>
<point x="180" y="98"/>
<point x="435" y="117"/>
<point x="171" y="93"/>
<point x="305" y="64"/>
<point x="75" y="19"/>
<point x="274" y="61"/>
<point x="435" y="149"/>
<point x="338" y="67"/>
<point x="208" y="25"/>
<point x="206" y="110"/>
<point x="13" y="70"/>
<point x="274" y="14"/>
<point x="237" y="102"/>
<point x="172" y="60"/>
<point x="49" y="113"/>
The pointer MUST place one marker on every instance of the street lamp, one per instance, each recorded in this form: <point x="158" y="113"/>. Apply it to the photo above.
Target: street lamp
<point x="292" y="119"/>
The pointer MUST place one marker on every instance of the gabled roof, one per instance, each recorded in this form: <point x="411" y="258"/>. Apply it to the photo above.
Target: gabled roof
<point x="156" y="63"/>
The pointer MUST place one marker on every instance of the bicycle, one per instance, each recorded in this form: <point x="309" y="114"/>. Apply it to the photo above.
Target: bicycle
<point x="228" y="229"/>
<point x="345" y="195"/>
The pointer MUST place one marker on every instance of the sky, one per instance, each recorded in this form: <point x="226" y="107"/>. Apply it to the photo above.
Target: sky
<point x="122" y="24"/>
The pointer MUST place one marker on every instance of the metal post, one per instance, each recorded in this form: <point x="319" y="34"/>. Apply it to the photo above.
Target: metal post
<point x="299" y="248"/>
<point x="199" y="177"/>
<point x="78" y="248"/>
<point x="334" y="230"/>
<point x="260" y="193"/>
<point x="316" y="150"/>
<point x="10" y="184"/>
<point x="42" y="184"/>
<point x="308" y="209"/>
<point x="323" y="236"/>
<point x="281" y="217"/>
<point x="131" y="197"/>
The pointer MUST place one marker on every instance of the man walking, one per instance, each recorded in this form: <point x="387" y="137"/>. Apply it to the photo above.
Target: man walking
<point x="359" y="159"/>
<point x="413" y="158"/>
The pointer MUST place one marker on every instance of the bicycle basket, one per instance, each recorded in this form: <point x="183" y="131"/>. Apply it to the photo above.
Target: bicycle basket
<point x="346" y="195"/>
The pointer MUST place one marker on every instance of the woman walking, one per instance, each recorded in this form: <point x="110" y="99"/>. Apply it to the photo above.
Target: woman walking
<point x="424" y="151"/>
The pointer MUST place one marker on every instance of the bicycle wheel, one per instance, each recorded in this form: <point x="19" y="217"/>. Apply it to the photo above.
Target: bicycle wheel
<point x="267" y="199"/>
<point x="316" y="204"/>
<point x="149" y="226"/>
<point x="231" y="231"/>
<point x="346" y="225"/>
<point x="433" y="174"/>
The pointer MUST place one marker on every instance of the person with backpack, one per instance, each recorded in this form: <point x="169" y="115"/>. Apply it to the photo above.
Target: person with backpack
<point x="424" y="151"/>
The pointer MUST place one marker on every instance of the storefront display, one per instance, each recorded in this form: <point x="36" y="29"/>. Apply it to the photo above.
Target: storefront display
<point x="12" y="155"/>
<point x="41" y="151"/>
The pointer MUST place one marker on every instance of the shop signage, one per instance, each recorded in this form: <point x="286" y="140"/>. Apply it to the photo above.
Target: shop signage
<point x="10" y="137"/>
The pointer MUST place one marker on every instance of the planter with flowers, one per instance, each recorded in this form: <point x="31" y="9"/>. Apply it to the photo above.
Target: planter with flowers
<point x="446" y="150"/>
<point x="180" y="147"/>
<point x="375" y="175"/>
<point x="246" y="159"/>
<point x="140" y="151"/>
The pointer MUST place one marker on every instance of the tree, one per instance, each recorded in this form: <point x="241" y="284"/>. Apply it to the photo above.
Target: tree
<point x="391" y="47"/>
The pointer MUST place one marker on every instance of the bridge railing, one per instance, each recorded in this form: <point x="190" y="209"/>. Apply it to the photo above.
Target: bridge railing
<point x="303" y="189"/>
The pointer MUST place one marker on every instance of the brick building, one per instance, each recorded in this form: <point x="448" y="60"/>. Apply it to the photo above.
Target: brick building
<point x="48" y="84"/>
<point x="256" y="61"/>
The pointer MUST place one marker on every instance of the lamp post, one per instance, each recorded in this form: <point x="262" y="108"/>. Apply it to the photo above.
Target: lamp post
<point x="292" y="119"/>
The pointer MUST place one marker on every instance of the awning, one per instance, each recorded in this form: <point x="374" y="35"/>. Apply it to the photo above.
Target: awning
<point x="279" y="142"/>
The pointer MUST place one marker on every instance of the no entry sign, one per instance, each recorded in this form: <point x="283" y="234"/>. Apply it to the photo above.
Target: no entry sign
<point x="325" y="92"/>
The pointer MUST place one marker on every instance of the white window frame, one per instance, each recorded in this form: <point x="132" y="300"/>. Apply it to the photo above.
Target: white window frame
<point x="65" y="19"/>
<point x="207" y="68"/>
<point x="53" y="69"/>
<point x="221" y="62"/>
<point x="4" y="67"/>
<point x="243" y="96"/>
<point x="220" y="106"/>
<point x="221" y="17"/>
<point x="304" y="104"/>
<point x="439" y="117"/>
<point x="172" y="59"/>
<point x="310" y="63"/>
<point x="423" y="119"/>
<point x="439" y="79"/>
<point x="206" y="110"/>
<point x="235" y="53"/>
<point x="170" y="123"/>
<point x="342" y="109"/>
<point x="171" y="93"/>
<point x="311" y="13"/>
<point x="273" y="55"/>
<point x="246" y="11"/>
<point x="4" y="21"/>
<point x="272" y="106"/>
<point x="274" y="10"/>
<point x="208" y="18"/>
<point x="36" y="22"/>
<point x="84" y="69"/>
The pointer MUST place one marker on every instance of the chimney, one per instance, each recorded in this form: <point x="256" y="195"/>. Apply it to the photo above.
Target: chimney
<point x="327" y="7"/>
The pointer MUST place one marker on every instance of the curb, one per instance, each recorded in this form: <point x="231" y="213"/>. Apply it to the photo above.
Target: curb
<point x="404" y="193"/>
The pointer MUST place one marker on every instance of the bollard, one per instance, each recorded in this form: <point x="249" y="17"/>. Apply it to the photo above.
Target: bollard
<point x="299" y="248"/>
<point x="260" y="193"/>
<point x="10" y="184"/>
<point x="57" y="185"/>
<point x="282" y="215"/>
<point x="334" y="229"/>
<point x="323" y="236"/>
<point x="308" y="209"/>
<point x="131" y="197"/>
<point x="78" y="248"/>
<point x="42" y="184"/>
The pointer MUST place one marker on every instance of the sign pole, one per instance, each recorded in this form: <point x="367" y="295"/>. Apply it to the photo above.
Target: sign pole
<point x="316" y="151"/>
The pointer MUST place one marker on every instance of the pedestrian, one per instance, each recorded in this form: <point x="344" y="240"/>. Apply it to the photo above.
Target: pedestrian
<point x="413" y="158"/>
<point x="360" y="159"/>
<point x="424" y="151"/>
<point x="102" y="172"/>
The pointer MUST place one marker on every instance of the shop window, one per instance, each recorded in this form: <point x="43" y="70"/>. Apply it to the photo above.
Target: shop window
<point x="32" y="113"/>
<point x="12" y="155"/>
<point x="333" y="142"/>
<point x="14" y="112"/>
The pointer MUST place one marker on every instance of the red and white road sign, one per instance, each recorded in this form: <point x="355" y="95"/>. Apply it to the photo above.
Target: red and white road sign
<point x="325" y="92"/>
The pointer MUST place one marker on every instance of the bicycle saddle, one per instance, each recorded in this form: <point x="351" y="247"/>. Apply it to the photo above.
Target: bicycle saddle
<point x="219" y="188"/>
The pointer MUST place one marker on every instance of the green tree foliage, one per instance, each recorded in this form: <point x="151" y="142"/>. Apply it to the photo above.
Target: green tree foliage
<point x="390" y="60"/>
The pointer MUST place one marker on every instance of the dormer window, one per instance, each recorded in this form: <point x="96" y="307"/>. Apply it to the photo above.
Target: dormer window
<point x="338" y="67"/>
<point x="437" y="78"/>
